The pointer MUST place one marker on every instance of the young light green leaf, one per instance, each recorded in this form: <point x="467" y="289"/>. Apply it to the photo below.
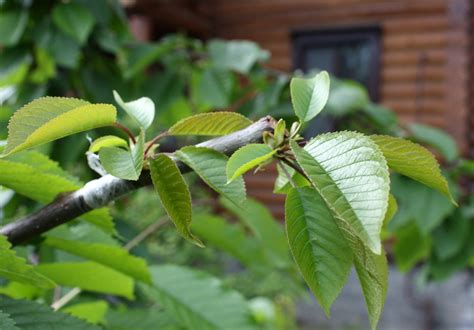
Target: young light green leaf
<point x="92" y="312"/>
<point x="176" y="288"/>
<point x="174" y="195"/>
<point x="318" y="246"/>
<point x="210" y="124"/>
<point x="124" y="164"/>
<point x="391" y="209"/>
<point x="283" y="184"/>
<point x="111" y="256"/>
<point x="89" y="276"/>
<point x="210" y="165"/>
<point x="141" y="110"/>
<point x="351" y="174"/>
<point x="414" y="161"/>
<point x="74" y="20"/>
<point x="436" y="138"/>
<point x="247" y="158"/>
<point x="309" y="96"/>
<point x="50" y="118"/>
<point x="29" y="315"/>
<point x="16" y="269"/>
<point x="107" y="142"/>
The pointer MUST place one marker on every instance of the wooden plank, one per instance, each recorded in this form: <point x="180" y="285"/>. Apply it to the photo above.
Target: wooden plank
<point x="413" y="57"/>
<point x="411" y="73"/>
<point x="412" y="89"/>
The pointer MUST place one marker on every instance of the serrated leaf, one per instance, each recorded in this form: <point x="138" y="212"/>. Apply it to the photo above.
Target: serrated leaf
<point x="317" y="245"/>
<point x="111" y="256"/>
<point x="309" y="96"/>
<point x="140" y="319"/>
<point x="50" y="118"/>
<point x="437" y="138"/>
<point x="210" y="165"/>
<point x="35" y="176"/>
<point x="198" y="300"/>
<point x="414" y="161"/>
<point x="16" y="269"/>
<point x="210" y="124"/>
<point x="174" y="195"/>
<point x="141" y="110"/>
<point x="74" y="20"/>
<point x="92" y="312"/>
<point x="246" y="158"/>
<point x="29" y="315"/>
<point x="89" y="276"/>
<point x="106" y="142"/>
<point x="351" y="174"/>
<point x="283" y="184"/>
<point x="124" y="164"/>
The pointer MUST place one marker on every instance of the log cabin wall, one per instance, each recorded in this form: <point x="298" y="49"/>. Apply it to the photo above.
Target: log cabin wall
<point x="425" y="59"/>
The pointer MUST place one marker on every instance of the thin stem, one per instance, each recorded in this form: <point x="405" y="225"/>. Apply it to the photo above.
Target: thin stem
<point x="127" y="131"/>
<point x="66" y="298"/>
<point x="154" y="140"/>
<point x="288" y="175"/>
<point x="296" y="167"/>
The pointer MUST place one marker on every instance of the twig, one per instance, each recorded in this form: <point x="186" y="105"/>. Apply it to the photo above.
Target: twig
<point x="154" y="140"/>
<point x="66" y="298"/>
<point x="127" y="131"/>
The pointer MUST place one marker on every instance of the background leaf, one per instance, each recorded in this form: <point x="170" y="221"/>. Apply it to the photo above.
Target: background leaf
<point x="16" y="269"/>
<point x="210" y="165"/>
<point x="74" y="19"/>
<point x="92" y="312"/>
<point x="197" y="300"/>
<point x="436" y="138"/>
<point x="317" y="245"/>
<point x="174" y="195"/>
<point x="89" y="276"/>
<point x="309" y="96"/>
<point x="12" y="25"/>
<point x="210" y="124"/>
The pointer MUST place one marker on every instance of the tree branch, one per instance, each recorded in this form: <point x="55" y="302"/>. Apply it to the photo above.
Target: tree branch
<point x="100" y="192"/>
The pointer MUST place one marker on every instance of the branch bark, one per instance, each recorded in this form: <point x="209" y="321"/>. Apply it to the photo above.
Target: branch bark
<point x="100" y="192"/>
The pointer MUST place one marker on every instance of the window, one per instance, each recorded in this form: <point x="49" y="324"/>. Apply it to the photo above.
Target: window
<point x="352" y="52"/>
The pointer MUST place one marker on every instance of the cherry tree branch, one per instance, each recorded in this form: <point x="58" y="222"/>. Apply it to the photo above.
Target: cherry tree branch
<point x="100" y="192"/>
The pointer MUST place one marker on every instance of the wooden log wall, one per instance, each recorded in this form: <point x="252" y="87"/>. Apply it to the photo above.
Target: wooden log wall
<point x="425" y="69"/>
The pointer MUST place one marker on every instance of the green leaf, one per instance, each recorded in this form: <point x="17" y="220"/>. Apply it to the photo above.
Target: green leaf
<point x="410" y="247"/>
<point x="124" y="164"/>
<point x="351" y="174"/>
<point x="265" y="228"/>
<point x="174" y="195"/>
<point x="89" y="276"/>
<point x="107" y="142"/>
<point x="309" y="96"/>
<point x="14" y="64"/>
<point x="283" y="185"/>
<point x="92" y="312"/>
<point x="140" y="319"/>
<point x="210" y="165"/>
<point x="230" y="238"/>
<point x="35" y="176"/>
<point x="12" y="25"/>
<point x="198" y="300"/>
<point x="210" y="124"/>
<point x="15" y="268"/>
<point x="391" y="209"/>
<point x="6" y="323"/>
<point x="451" y="236"/>
<point x="237" y="55"/>
<point x="414" y="161"/>
<point x="319" y="248"/>
<point x="29" y="315"/>
<point x="435" y="137"/>
<point x="50" y="118"/>
<point x="74" y="20"/>
<point x="247" y="158"/>
<point x="111" y="256"/>
<point x="346" y="97"/>
<point x="141" y="110"/>
<point x="216" y="87"/>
